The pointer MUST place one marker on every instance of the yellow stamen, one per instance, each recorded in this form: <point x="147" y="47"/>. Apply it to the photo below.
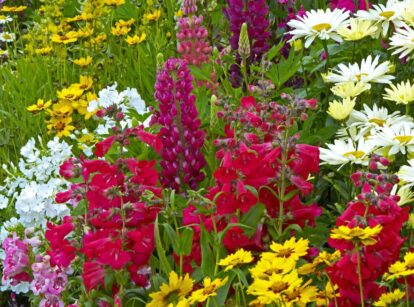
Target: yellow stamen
<point x="379" y="122"/>
<point x="403" y="138"/>
<point x="322" y="26"/>
<point x="357" y="154"/>
<point x="387" y="14"/>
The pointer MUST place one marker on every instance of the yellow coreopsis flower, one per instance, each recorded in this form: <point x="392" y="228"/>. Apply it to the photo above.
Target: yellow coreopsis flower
<point x="402" y="93"/>
<point x="62" y="109"/>
<point x="13" y="9"/>
<point x="43" y="51"/>
<point x="61" y="127"/>
<point x="209" y="289"/>
<point x="119" y="31"/>
<point x="390" y="298"/>
<point x="358" y="29"/>
<point x="239" y="257"/>
<point x="265" y="268"/>
<point x="174" y="291"/>
<point x="125" y="23"/>
<point x="136" y="39"/>
<point x="324" y="297"/>
<point x="67" y="38"/>
<point x="350" y="89"/>
<point x="300" y="296"/>
<point x="39" y="105"/>
<point x="114" y="2"/>
<point x="83" y="62"/>
<point x="401" y="269"/>
<point x="341" y="110"/>
<point x="274" y="289"/>
<point x="291" y="249"/>
<point x="85" y="83"/>
<point x="71" y="93"/>
<point x="155" y="15"/>
<point x="366" y="235"/>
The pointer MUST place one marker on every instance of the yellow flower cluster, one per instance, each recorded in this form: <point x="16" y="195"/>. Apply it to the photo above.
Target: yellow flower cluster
<point x="179" y="291"/>
<point x="74" y="98"/>
<point x="276" y="279"/>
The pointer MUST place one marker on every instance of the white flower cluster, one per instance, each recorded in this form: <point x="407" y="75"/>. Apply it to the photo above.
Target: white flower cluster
<point x="126" y="101"/>
<point x="372" y="130"/>
<point x="31" y="187"/>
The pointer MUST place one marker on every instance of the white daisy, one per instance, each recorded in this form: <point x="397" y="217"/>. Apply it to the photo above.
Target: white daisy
<point x="5" y="19"/>
<point x="395" y="139"/>
<point x="7" y="37"/>
<point x="369" y="71"/>
<point x="403" y="41"/>
<point x="406" y="174"/>
<point x="320" y="23"/>
<point x="408" y="12"/>
<point x="383" y="15"/>
<point x="369" y="121"/>
<point x="345" y="151"/>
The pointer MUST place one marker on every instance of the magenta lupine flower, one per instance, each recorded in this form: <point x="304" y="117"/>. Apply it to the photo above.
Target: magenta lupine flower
<point x="189" y="7"/>
<point x="348" y="5"/>
<point x="254" y="13"/>
<point x="16" y="262"/>
<point x="192" y="40"/>
<point x="181" y="135"/>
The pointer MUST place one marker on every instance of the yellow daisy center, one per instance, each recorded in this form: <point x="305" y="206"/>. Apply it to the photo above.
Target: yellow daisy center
<point x="285" y="252"/>
<point x="278" y="286"/>
<point x="387" y="14"/>
<point x="6" y="36"/>
<point x="403" y="138"/>
<point x="357" y="154"/>
<point x="270" y="271"/>
<point x="322" y="26"/>
<point x="379" y="122"/>
<point x="2" y="17"/>
<point x="359" y="76"/>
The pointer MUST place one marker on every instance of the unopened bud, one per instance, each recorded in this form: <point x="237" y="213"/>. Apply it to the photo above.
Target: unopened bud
<point x="244" y="43"/>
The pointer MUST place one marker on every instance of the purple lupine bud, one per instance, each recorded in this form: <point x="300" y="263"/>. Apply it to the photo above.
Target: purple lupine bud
<point x="189" y="7"/>
<point x="254" y="14"/>
<point x="180" y="132"/>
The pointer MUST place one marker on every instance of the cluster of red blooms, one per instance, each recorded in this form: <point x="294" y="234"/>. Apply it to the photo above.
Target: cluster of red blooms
<point x="116" y="230"/>
<point x="374" y="205"/>
<point x="250" y="173"/>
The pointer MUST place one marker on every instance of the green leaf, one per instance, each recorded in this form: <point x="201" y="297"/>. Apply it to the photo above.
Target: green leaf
<point x="186" y="242"/>
<point x="172" y="236"/>
<point x="223" y="292"/>
<point x="207" y="260"/>
<point x="165" y="265"/>
<point x="79" y="209"/>
<point x="252" y="218"/>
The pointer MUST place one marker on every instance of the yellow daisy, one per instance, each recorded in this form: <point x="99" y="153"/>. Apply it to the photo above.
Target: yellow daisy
<point x="267" y="267"/>
<point x="114" y="2"/>
<point x="174" y="291"/>
<point x="209" y="290"/>
<point x="39" y="105"/>
<point x="43" y="51"/>
<point x="402" y="93"/>
<point x="340" y="110"/>
<point x="13" y="9"/>
<point x="83" y="62"/>
<point x="136" y="39"/>
<point x="155" y="15"/>
<point x="358" y="29"/>
<point x="389" y="299"/>
<point x="350" y="89"/>
<point x="291" y="249"/>
<point x="366" y="235"/>
<point x="67" y="38"/>
<point x="239" y="257"/>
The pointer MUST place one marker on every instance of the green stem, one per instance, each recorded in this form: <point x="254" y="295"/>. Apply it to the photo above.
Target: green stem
<point x="361" y="290"/>
<point x="367" y="5"/>
<point x="282" y="189"/>
<point x="407" y="292"/>
<point x="244" y="71"/>
<point x="407" y="109"/>
<point x="327" y="56"/>
<point x="305" y="78"/>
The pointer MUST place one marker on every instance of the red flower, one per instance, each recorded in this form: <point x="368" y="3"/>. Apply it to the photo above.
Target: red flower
<point x="93" y="275"/>
<point x="102" y="147"/>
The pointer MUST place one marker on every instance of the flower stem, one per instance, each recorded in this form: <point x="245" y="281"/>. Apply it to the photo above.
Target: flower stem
<point x="327" y="56"/>
<point x="407" y="109"/>
<point x="361" y="290"/>
<point x="407" y="292"/>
